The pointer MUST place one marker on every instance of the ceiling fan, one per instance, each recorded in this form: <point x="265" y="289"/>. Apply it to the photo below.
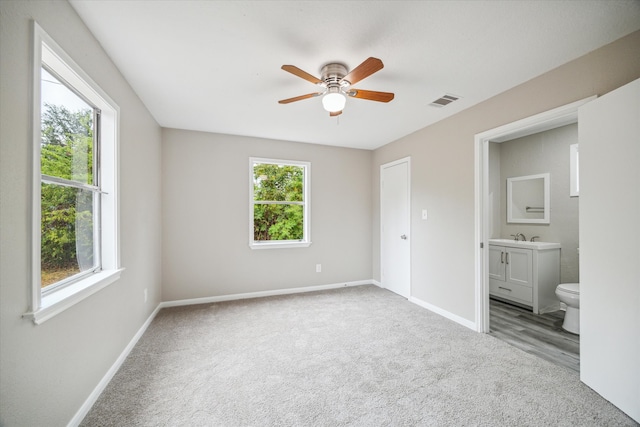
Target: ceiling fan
<point x="335" y="84"/>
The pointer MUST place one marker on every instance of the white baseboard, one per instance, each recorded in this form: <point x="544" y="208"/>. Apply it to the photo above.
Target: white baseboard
<point x="207" y="300"/>
<point x="461" y="320"/>
<point x="378" y="284"/>
<point x="86" y="406"/>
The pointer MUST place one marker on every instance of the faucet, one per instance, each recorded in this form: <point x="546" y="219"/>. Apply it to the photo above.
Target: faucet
<point x="533" y="239"/>
<point x="521" y="235"/>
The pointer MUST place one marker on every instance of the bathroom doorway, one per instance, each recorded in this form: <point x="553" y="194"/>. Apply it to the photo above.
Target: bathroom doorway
<point x="486" y="204"/>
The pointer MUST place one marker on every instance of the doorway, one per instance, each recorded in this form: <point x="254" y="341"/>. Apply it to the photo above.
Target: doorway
<point x="395" y="220"/>
<point x="548" y="120"/>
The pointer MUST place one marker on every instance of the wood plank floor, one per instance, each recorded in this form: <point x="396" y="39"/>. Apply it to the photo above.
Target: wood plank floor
<point x="539" y="334"/>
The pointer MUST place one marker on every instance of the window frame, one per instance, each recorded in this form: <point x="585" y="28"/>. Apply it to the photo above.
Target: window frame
<point x="93" y="187"/>
<point x="306" y="204"/>
<point x="44" y="305"/>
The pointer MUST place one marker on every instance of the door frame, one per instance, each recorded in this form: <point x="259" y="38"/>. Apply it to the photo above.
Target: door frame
<point x="560" y="116"/>
<point x="406" y="160"/>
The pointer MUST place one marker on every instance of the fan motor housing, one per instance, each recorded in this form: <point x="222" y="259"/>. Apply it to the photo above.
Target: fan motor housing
<point x="333" y="73"/>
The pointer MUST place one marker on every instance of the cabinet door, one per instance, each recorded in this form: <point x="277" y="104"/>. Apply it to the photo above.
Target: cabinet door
<point x="496" y="262"/>
<point x="519" y="266"/>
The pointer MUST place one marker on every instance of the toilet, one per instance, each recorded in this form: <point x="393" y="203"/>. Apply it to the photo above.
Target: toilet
<point x="569" y="293"/>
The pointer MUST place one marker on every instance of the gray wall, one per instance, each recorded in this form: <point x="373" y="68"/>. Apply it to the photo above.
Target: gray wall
<point x="442" y="163"/>
<point x="48" y="371"/>
<point x="541" y="153"/>
<point x="205" y="198"/>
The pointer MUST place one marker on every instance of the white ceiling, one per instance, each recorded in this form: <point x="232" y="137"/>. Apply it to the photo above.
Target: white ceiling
<point x="215" y="65"/>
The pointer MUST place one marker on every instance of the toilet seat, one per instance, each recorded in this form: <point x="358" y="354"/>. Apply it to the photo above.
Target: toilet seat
<point x="570" y="288"/>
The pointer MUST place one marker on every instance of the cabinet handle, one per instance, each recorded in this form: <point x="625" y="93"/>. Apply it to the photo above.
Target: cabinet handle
<point x="507" y="257"/>
<point x="501" y="257"/>
<point x="506" y="289"/>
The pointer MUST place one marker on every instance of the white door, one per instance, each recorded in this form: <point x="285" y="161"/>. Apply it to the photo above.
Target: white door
<point x="609" y="129"/>
<point x="395" y="244"/>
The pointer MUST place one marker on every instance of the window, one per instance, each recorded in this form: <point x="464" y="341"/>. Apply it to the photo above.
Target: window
<point x="279" y="203"/>
<point x="574" y="182"/>
<point x="75" y="250"/>
<point x="69" y="191"/>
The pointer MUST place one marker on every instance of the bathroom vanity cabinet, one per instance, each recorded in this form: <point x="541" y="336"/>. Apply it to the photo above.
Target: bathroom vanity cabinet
<point x="525" y="272"/>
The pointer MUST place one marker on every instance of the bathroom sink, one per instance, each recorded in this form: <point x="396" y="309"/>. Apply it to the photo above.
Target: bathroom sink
<point x="521" y="244"/>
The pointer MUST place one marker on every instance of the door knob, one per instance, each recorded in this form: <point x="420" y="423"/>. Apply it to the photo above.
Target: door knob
<point x="403" y="237"/>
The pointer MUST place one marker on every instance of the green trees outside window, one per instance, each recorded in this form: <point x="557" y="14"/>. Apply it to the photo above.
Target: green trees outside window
<point x="278" y="194"/>
<point x="67" y="211"/>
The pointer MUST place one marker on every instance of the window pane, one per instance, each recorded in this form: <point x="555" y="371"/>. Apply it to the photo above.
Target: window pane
<point x="278" y="182"/>
<point x="277" y="222"/>
<point x="67" y="245"/>
<point x="67" y="132"/>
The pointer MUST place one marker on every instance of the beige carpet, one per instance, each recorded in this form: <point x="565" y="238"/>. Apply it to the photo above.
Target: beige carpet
<point x="357" y="356"/>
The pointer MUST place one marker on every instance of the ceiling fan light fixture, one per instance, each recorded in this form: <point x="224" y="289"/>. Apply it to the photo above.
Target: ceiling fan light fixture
<point x="335" y="84"/>
<point x="334" y="101"/>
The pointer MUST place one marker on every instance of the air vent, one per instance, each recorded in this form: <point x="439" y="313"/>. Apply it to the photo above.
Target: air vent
<point x="444" y="100"/>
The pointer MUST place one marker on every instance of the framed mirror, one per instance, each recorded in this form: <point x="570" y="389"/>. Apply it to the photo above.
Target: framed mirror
<point x="528" y="199"/>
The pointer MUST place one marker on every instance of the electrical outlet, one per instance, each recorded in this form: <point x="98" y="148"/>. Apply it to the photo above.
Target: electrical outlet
<point x="318" y="268"/>
<point x="145" y="295"/>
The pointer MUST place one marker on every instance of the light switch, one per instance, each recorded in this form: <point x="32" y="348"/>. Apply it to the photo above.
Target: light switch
<point x="424" y="214"/>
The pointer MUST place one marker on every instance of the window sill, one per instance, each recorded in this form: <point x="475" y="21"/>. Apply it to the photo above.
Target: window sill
<point x="57" y="302"/>
<point x="279" y="245"/>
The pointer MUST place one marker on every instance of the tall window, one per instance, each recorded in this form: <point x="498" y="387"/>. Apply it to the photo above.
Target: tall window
<point x="70" y="191"/>
<point x="279" y="203"/>
<point x="75" y="233"/>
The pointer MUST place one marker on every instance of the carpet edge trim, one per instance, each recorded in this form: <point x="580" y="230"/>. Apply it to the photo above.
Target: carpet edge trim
<point x="260" y="294"/>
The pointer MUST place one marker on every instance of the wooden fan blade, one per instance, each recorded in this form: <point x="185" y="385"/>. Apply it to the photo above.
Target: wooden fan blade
<point x="364" y="70"/>
<point x="335" y="113"/>
<point x="303" y="74"/>
<point x="371" y="95"/>
<point x="299" y="98"/>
